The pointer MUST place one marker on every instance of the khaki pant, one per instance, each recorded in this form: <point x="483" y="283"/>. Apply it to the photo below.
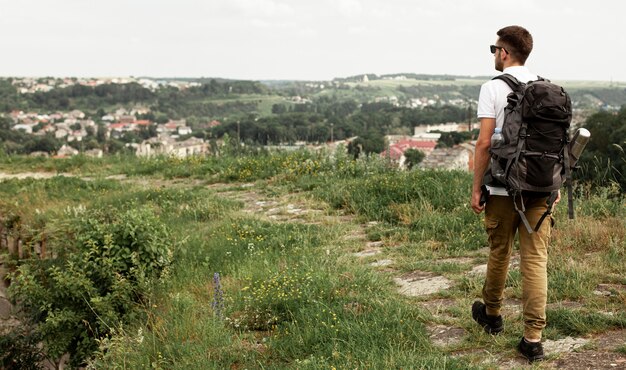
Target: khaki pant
<point x="502" y="222"/>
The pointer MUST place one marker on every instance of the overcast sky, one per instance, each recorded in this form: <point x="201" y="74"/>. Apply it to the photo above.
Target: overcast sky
<point x="305" y="40"/>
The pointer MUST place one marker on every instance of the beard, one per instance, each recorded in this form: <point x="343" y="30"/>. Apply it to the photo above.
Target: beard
<point x="499" y="65"/>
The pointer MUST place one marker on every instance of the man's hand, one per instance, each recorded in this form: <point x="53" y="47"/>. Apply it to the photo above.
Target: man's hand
<point x="475" y="202"/>
<point x="558" y="198"/>
<point x="481" y="160"/>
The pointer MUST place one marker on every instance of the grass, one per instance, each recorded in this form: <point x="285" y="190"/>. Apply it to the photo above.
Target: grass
<point x="293" y="295"/>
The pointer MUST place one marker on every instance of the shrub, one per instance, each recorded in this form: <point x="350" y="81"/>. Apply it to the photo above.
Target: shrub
<point x="78" y="297"/>
<point x="18" y="350"/>
<point x="135" y="239"/>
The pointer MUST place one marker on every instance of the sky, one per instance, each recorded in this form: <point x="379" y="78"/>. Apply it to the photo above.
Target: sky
<point x="305" y="40"/>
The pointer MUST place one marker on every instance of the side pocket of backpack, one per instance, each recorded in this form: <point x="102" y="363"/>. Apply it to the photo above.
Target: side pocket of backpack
<point x="540" y="170"/>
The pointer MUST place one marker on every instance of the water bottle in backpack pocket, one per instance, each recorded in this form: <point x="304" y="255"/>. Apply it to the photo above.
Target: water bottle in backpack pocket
<point x="497" y="171"/>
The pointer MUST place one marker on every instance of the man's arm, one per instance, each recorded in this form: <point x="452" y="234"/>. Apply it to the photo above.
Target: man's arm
<point x="481" y="160"/>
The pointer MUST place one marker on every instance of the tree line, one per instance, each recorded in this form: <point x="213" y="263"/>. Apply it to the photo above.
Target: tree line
<point x="322" y="121"/>
<point x="604" y="160"/>
<point x="105" y="95"/>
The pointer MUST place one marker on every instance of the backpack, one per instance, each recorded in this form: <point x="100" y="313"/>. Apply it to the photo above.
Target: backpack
<point x="533" y="153"/>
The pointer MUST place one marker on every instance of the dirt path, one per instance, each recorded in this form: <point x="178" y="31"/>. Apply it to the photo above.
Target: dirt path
<point x="445" y="329"/>
<point x="593" y="352"/>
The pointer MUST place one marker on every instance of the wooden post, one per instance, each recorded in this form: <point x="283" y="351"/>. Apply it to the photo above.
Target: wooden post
<point x="43" y="246"/>
<point x="3" y="240"/>
<point x="11" y="245"/>
<point x="20" y="248"/>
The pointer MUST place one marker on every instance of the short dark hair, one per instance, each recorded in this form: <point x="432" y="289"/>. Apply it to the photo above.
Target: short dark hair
<point x="517" y="41"/>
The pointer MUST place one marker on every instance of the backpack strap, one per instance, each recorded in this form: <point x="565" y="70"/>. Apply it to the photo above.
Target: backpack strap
<point x="521" y="210"/>
<point x="550" y="203"/>
<point x="513" y="82"/>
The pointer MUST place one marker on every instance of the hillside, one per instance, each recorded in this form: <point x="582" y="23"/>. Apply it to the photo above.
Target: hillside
<point x="288" y="260"/>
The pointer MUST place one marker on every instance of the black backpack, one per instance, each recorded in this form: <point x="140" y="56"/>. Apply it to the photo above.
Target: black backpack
<point x="533" y="155"/>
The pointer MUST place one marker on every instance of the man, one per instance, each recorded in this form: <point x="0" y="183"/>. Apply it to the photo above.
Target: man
<point x="510" y="51"/>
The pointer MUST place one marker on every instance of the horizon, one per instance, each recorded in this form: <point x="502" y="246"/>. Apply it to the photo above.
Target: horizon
<point x="471" y="77"/>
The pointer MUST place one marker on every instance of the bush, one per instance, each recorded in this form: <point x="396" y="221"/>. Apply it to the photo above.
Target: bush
<point x="135" y="240"/>
<point x="98" y="283"/>
<point x="18" y="350"/>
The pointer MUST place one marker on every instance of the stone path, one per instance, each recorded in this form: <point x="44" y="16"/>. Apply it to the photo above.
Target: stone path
<point x="566" y="353"/>
<point x="593" y="352"/>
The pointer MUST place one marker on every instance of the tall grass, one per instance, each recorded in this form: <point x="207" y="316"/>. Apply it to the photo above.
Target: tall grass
<point x="293" y="296"/>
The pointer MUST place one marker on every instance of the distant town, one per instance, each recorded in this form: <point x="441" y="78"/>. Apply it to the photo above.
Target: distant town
<point x="146" y="132"/>
<point x="29" y="85"/>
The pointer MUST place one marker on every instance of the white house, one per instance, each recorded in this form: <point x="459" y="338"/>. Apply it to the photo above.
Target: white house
<point x="60" y="133"/>
<point x="24" y="127"/>
<point x="185" y="130"/>
<point x="168" y="146"/>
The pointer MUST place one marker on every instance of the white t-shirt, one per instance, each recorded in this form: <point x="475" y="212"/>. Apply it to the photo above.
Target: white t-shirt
<point x="492" y="100"/>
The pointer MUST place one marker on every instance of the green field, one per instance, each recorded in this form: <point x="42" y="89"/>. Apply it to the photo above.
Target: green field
<point x="316" y="258"/>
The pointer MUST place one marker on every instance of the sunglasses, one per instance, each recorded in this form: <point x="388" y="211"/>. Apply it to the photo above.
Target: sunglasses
<point x="493" y="48"/>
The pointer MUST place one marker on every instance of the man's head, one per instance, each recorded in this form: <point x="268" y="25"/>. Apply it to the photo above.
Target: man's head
<point x="513" y="46"/>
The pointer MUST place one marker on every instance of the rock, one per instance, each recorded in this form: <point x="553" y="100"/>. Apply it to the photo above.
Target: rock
<point x="591" y="360"/>
<point x="459" y="260"/>
<point x="602" y="293"/>
<point x="367" y="253"/>
<point x="511" y="307"/>
<point x="116" y="177"/>
<point x="607" y="290"/>
<point x="565" y="304"/>
<point x="374" y="244"/>
<point x="272" y="211"/>
<point x="610" y="340"/>
<point x="420" y="287"/>
<point x="564" y="345"/>
<point x="5" y="309"/>
<point x="437" y="306"/>
<point x="295" y="211"/>
<point x="479" y="270"/>
<point x="442" y="335"/>
<point x="381" y="263"/>
<point x="356" y="235"/>
<point x="482" y="269"/>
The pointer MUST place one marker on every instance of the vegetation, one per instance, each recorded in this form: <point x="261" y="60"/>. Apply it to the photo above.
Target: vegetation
<point x="273" y="113"/>
<point x="604" y="160"/>
<point x="179" y="273"/>
<point x="413" y="157"/>
<point x="450" y="139"/>
<point x="245" y="259"/>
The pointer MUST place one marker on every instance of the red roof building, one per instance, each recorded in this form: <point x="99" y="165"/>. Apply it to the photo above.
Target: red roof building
<point x="396" y="151"/>
<point x="117" y="126"/>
